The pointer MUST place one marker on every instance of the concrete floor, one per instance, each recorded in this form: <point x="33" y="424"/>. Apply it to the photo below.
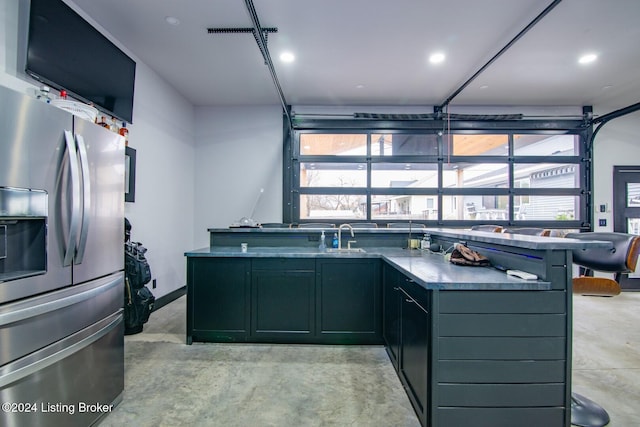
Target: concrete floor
<point x="168" y="383"/>
<point x="606" y="354"/>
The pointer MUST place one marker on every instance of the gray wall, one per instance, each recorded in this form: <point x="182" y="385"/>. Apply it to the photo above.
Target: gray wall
<point x="616" y="144"/>
<point x="238" y="152"/>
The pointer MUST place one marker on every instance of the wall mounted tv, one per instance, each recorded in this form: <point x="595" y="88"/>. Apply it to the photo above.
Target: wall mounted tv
<point x="66" y="52"/>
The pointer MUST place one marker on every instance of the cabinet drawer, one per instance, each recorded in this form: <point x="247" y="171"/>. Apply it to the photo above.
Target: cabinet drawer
<point x="503" y="325"/>
<point x="289" y="264"/>
<point x="500" y="417"/>
<point x="501" y="371"/>
<point x="87" y="366"/>
<point x="520" y="302"/>
<point x="500" y="395"/>
<point x="502" y="348"/>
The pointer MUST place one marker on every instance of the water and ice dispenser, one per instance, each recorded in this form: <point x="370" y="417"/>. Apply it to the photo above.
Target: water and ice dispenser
<point x="23" y="232"/>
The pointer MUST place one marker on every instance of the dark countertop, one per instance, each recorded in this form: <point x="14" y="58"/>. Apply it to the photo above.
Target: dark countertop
<point x="429" y="270"/>
<point x="518" y="240"/>
<point x="506" y="239"/>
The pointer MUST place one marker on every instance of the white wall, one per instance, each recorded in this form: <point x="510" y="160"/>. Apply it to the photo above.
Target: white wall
<point x="162" y="214"/>
<point x="616" y="144"/>
<point x="238" y="152"/>
<point x="162" y="133"/>
<point x="9" y="46"/>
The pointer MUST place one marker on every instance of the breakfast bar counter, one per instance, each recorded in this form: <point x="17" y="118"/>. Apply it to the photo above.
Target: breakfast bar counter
<point x="430" y="270"/>
<point x="470" y="344"/>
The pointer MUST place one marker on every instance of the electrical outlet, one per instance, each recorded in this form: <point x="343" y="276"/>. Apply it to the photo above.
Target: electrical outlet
<point x="602" y="222"/>
<point x="603" y="208"/>
<point x="153" y="284"/>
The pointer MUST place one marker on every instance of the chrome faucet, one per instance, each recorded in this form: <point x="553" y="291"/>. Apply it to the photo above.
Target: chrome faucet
<point x="340" y="234"/>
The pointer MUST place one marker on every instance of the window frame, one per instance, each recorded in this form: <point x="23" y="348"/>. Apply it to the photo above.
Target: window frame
<point x="292" y="160"/>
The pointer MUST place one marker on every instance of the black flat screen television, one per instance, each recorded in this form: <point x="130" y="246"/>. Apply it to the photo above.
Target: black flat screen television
<point x="66" y="52"/>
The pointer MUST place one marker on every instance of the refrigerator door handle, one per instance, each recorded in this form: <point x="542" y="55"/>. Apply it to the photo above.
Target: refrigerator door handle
<point x="86" y="198"/>
<point x="57" y="304"/>
<point x="75" y="198"/>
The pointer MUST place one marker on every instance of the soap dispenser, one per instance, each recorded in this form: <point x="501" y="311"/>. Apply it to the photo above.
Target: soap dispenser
<point x="426" y="242"/>
<point x="334" y="243"/>
<point x="322" y="246"/>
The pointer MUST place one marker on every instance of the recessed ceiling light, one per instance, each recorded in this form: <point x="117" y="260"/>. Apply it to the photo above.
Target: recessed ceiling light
<point x="287" y="57"/>
<point x="172" y="20"/>
<point x="588" y="58"/>
<point x="360" y="86"/>
<point x="607" y="87"/>
<point x="484" y="87"/>
<point x="436" y="58"/>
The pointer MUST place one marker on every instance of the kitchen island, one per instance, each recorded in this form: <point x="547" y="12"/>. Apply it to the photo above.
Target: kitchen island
<point x="468" y="343"/>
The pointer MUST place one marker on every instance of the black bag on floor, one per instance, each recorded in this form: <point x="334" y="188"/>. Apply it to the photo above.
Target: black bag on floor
<point x="138" y="305"/>
<point x="136" y="266"/>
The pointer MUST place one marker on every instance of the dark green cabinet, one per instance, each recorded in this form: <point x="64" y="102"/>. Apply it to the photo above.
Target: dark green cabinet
<point x="349" y="303"/>
<point x="407" y="335"/>
<point x="218" y="299"/>
<point x="283" y="300"/>
<point x="502" y="358"/>
<point x="415" y="350"/>
<point x="391" y="312"/>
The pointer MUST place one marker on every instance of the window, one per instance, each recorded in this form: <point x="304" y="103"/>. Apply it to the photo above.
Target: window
<point x="470" y="174"/>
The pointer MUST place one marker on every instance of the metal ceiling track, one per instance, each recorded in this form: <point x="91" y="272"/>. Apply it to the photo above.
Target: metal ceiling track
<point x="618" y="113"/>
<point x="261" y="39"/>
<point x="497" y="55"/>
<point x="243" y="30"/>
<point x="236" y="30"/>
<point x="603" y="120"/>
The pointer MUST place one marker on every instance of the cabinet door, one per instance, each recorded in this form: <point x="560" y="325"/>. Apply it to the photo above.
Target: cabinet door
<point x="349" y="301"/>
<point x="391" y="313"/>
<point x="414" y="354"/>
<point x="283" y="305"/>
<point x="218" y="299"/>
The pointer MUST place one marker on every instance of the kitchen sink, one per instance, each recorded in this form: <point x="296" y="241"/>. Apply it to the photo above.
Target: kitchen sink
<point x="346" y="250"/>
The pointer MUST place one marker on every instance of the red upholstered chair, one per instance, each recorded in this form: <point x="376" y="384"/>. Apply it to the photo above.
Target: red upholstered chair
<point x="620" y="259"/>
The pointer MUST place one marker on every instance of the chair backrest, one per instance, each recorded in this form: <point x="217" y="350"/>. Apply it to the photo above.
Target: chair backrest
<point x="412" y="225"/>
<point x="622" y="258"/>
<point x="274" y="225"/>
<point x="363" y="225"/>
<point x="521" y="211"/>
<point x="487" y="227"/>
<point x="316" y="225"/>
<point x="471" y="211"/>
<point x="529" y="231"/>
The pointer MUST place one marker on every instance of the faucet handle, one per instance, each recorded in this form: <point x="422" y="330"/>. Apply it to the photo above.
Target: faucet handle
<point x="349" y="242"/>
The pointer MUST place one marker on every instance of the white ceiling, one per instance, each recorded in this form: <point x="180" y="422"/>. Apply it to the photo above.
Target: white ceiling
<point x="375" y="52"/>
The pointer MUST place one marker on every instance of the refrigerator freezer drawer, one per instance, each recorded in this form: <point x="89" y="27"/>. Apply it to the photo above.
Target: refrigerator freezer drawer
<point x="73" y="382"/>
<point x="28" y="325"/>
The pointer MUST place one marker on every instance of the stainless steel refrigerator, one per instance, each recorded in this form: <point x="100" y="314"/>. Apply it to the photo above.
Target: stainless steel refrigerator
<point x="61" y="265"/>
